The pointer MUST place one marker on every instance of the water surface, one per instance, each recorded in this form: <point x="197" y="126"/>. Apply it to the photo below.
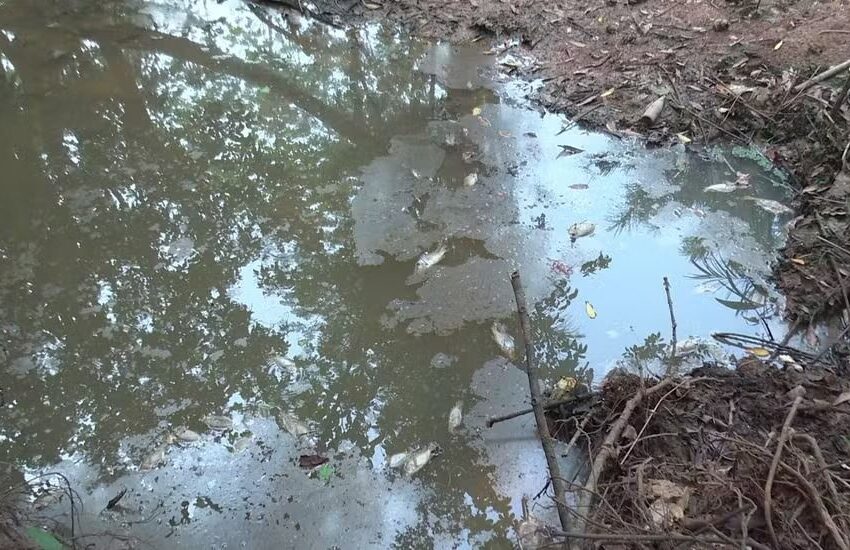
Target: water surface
<point x="213" y="208"/>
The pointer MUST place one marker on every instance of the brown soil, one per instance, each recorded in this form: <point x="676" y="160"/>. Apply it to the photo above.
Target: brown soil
<point x="694" y="458"/>
<point x="727" y="69"/>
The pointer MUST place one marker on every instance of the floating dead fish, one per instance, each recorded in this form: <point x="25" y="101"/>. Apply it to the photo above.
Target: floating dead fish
<point x="504" y="340"/>
<point x="581" y="229"/>
<point x="397" y="460"/>
<point x="218" y="423"/>
<point x="470" y="179"/>
<point x="242" y="443"/>
<point x="456" y="416"/>
<point x="292" y="424"/>
<point x="578" y="186"/>
<point x="567" y="150"/>
<point x="726" y="187"/>
<point x="430" y="259"/>
<point x="771" y="206"/>
<point x="418" y="459"/>
<point x="186" y="435"/>
<point x="155" y="459"/>
<point x="590" y="310"/>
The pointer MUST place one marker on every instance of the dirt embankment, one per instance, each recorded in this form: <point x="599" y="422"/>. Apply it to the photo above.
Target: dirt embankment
<point x="732" y="70"/>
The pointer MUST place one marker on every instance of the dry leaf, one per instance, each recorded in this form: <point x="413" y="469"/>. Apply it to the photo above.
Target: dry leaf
<point x="683" y="138"/>
<point x="761" y="353"/>
<point x="843" y="398"/>
<point x="607" y="92"/>
<point x="778" y="45"/>
<point x="798" y="261"/>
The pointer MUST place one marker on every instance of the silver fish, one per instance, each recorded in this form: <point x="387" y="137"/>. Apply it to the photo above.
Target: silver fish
<point x="504" y="340"/>
<point x="418" y="459"/>
<point x="771" y="206"/>
<point x="242" y="443"/>
<point x="397" y="460"/>
<point x="186" y="435"/>
<point x="218" y="423"/>
<point x="292" y="424"/>
<point x="430" y="259"/>
<point x="155" y="459"/>
<point x="581" y="229"/>
<point x="455" y="417"/>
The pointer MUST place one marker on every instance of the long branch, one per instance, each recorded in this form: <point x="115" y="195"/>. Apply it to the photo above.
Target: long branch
<point x="546" y="440"/>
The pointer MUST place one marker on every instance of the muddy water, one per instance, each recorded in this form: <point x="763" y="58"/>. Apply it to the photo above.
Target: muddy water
<point x="212" y="209"/>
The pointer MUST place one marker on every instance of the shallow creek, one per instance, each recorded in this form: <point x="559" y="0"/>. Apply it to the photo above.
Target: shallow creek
<point x="212" y="209"/>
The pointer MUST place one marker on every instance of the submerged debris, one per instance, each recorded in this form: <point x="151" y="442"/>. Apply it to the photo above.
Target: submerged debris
<point x="292" y="424"/>
<point x="186" y="435"/>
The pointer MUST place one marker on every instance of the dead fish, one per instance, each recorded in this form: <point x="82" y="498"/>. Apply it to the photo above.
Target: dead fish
<point x="504" y="340"/>
<point x="430" y="259"/>
<point x="773" y="207"/>
<point x="455" y="417"/>
<point x="581" y="229"/>
<point x="242" y="443"/>
<point x="471" y="179"/>
<point x="218" y="423"/>
<point x="186" y="435"/>
<point x="725" y="187"/>
<point x="418" y="459"/>
<point x="397" y="460"/>
<point x="155" y="459"/>
<point x="292" y="424"/>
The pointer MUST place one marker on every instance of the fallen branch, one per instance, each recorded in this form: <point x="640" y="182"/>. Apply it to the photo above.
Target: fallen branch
<point x="550" y="405"/>
<point x="829" y="73"/>
<point x="777" y="456"/>
<point x="546" y="440"/>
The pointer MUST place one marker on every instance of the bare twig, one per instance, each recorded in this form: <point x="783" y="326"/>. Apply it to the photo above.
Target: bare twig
<point x="842" y="95"/>
<point x="546" y="440"/>
<point x="768" y="486"/>
<point x="684" y="382"/>
<point x="550" y="405"/>
<point x="829" y="73"/>
<point x="672" y="318"/>
<point x="817" y="502"/>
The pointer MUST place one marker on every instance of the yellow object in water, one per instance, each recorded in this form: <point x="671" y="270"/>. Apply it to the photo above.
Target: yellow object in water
<point x="591" y="311"/>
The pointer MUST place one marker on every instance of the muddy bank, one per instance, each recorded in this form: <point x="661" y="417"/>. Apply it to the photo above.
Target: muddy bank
<point x="727" y="70"/>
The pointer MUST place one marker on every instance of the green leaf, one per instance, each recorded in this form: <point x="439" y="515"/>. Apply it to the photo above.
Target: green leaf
<point x="325" y="472"/>
<point x="740" y="306"/>
<point x="43" y="539"/>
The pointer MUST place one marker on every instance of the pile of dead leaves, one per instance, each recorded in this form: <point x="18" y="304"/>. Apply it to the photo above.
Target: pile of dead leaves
<point x="755" y="455"/>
